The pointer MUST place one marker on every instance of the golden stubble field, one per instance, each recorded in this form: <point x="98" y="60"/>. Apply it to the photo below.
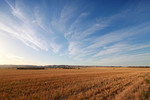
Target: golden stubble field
<point x="75" y="84"/>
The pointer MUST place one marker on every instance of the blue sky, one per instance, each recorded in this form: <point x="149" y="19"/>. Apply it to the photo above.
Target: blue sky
<point x="76" y="32"/>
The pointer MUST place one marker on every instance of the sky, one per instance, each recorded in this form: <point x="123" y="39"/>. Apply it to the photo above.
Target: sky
<point x="75" y="32"/>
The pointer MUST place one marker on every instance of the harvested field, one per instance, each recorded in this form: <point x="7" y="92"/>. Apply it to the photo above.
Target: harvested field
<point x="75" y="84"/>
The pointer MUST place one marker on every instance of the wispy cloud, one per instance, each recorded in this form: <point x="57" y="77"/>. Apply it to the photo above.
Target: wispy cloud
<point x="75" y="25"/>
<point x="119" y="35"/>
<point x="120" y="48"/>
<point x="39" y="20"/>
<point x="25" y="31"/>
<point x="9" y="57"/>
<point x="14" y="57"/>
<point x="16" y="11"/>
<point x="128" y="59"/>
<point x="87" y="45"/>
<point x="73" y="49"/>
<point x="60" y="22"/>
<point x="55" y="46"/>
<point x="82" y="34"/>
<point x="94" y="48"/>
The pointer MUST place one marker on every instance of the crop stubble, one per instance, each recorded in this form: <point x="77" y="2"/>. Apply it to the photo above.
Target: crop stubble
<point x="75" y="84"/>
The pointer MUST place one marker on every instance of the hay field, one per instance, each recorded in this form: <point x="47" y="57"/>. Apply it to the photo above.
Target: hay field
<point x="75" y="84"/>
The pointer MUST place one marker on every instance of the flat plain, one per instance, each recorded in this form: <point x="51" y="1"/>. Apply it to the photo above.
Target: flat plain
<point x="92" y="83"/>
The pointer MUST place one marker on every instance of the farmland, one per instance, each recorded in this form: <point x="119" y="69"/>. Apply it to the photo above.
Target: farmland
<point x="92" y="83"/>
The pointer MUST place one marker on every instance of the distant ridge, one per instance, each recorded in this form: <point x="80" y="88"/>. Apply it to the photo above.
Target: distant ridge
<point x="61" y="66"/>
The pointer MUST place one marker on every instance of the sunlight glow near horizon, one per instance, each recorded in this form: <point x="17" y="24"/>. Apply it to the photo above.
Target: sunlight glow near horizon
<point x="80" y="32"/>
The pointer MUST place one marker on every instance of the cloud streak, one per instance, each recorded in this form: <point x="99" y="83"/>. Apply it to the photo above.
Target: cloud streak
<point x="77" y="32"/>
<point x="26" y="31"/>
<point x="132" y="59"/>
<point x="120" y="35"/>
<point x="120" y="48"/>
